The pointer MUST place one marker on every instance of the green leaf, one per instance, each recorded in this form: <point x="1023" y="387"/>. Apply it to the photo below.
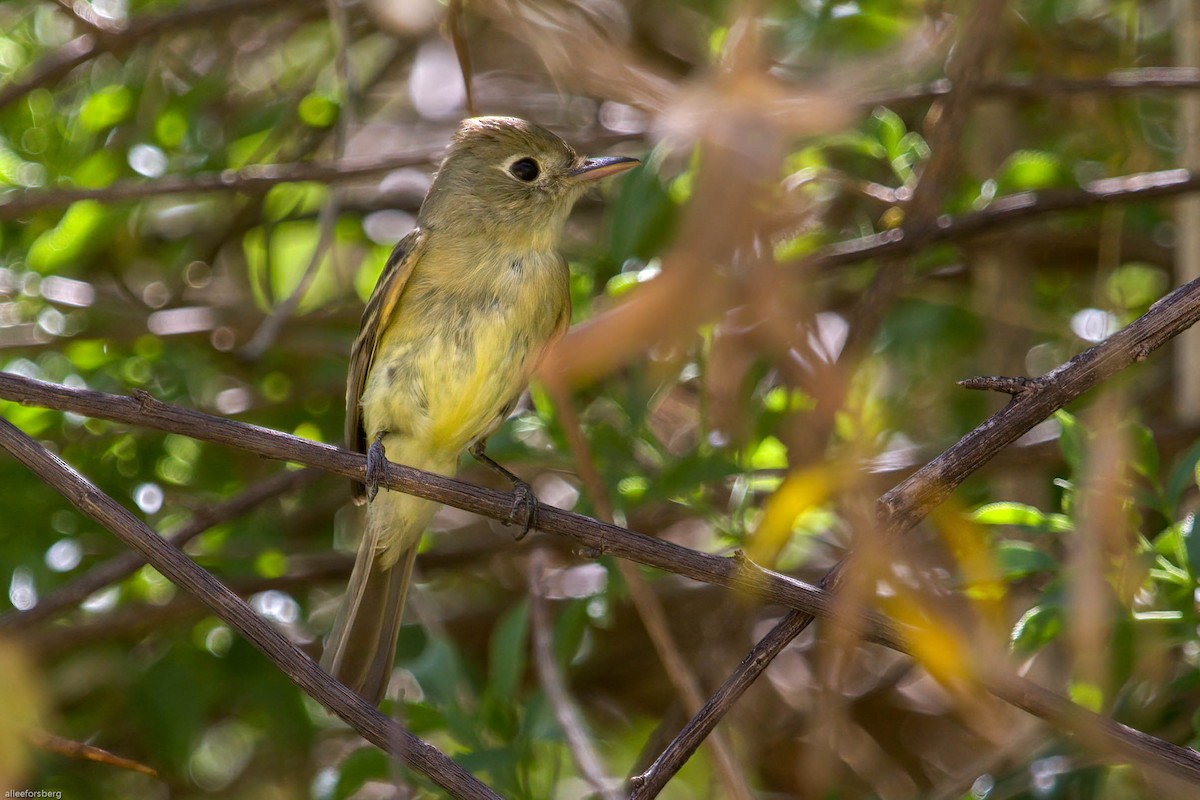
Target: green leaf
<point x="1071" y="440"/>
<point x="569" y="629"/>
<point x="506" y="653"/>
<point x="641" y="213"/>
<point x="889" y="130"/>
<point x="106" y="108"/>
<point x="292" y="247"/>
<point x="1039" y="626"/>
<point x="317" y="111"/>
<point x="422" y="718"/>
<point x="1020" y="559"/>
<point x="1135" y="286"/>
<point x="170" y="128"/>
<point x="440" y="672"/>
<point x="769" y="454"/>
<point x="294" y="199"/>
<point x="254" y="146"/>
<point x="76" y="235"/>
<point x="1021" y="515"/>
<point x="1184" y="474"/>
<point x="1008" y="513"/>
<point x="1088" y="695"/>
<point x="97" y="170"/>
<point x="1145" y="451"/>
<point x="1027" y="170"/>
<point x="364" y="764"/>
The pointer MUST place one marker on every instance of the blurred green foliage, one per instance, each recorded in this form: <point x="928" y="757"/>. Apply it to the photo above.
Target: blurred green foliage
<point x="163" y="292"/>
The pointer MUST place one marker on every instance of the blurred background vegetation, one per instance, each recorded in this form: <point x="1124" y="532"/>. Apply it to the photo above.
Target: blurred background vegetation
<point x="142" y="247"/>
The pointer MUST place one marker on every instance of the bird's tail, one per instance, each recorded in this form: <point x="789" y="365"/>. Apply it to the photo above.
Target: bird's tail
<point x="361" y="647"/>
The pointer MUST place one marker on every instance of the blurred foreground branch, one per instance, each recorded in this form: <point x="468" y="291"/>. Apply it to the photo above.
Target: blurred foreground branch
<point x="913" y="499"/>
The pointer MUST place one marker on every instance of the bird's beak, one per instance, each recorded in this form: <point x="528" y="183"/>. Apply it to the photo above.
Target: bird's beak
<point x="593" y="169"/>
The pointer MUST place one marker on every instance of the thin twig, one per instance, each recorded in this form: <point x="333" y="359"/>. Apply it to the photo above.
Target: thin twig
<point x="947" y="120"/>
<point x="578" y="742"/>
<point x="703" y="722"/>
<point x="251" y="180"/>
<point x="125" y="564"/>
<point x="268" y="330"/>
<point x="86" y="752"/>
<point x="1124" y="81"/>
<point x="56" y="65"/>
<point x="998" y="383"/>
<point x="364" y="718"/>
<point x="1006" y="211"/>
<point x="648" y="607"/>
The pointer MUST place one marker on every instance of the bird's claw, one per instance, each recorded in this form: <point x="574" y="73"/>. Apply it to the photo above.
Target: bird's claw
<point x="525" y="499"/>
<point x="376" y="467"/>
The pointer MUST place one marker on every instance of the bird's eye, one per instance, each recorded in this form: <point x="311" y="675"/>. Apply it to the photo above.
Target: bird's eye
<point x="525" y="169"/>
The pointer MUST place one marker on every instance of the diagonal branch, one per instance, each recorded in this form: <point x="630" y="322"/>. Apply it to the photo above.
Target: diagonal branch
<point x="911" y="501"/>
<point x="364" y="718"/>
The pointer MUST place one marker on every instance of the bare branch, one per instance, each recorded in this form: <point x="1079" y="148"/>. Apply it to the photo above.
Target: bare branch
<point x="1006" y="211"/>
<point x="1123" y="81"/>
<point x="998" y="383"/>
<point x="364" y="718"/>
<point x="56" y="65"/>
<point x="648" y="607"/>
<point x="251" y="180"/>
<point x="73" y="749"/>
<point x="584" y="754"/>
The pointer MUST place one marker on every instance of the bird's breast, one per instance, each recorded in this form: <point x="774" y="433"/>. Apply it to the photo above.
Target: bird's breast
<point x="461" y="346"/>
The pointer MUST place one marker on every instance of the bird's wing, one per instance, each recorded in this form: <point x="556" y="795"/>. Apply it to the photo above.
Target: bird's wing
<point x="375" y="319"/>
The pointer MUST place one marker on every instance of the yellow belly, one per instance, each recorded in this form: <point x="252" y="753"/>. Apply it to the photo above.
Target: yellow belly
<point x="455" y="358"/>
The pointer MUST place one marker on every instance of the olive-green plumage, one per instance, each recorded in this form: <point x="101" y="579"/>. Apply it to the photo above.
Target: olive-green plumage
<point x="463" y="311"/>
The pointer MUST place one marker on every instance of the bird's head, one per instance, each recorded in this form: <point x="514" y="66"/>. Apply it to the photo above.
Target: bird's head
<point x="509" y="178"/>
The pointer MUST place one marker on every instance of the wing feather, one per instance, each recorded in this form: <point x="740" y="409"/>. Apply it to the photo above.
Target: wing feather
<point x="375" y="320"/>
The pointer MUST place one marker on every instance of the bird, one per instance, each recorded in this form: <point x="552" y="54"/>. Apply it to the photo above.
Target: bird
<point x="464" y="309"/>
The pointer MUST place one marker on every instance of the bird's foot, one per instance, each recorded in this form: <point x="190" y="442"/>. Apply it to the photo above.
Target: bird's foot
<point x="376" y="466"/>
<point x="526" y="500"/>
<point x="523" y="496"/>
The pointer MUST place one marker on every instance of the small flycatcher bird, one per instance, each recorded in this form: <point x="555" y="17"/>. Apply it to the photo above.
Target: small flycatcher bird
<point x="463" y="311"/>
